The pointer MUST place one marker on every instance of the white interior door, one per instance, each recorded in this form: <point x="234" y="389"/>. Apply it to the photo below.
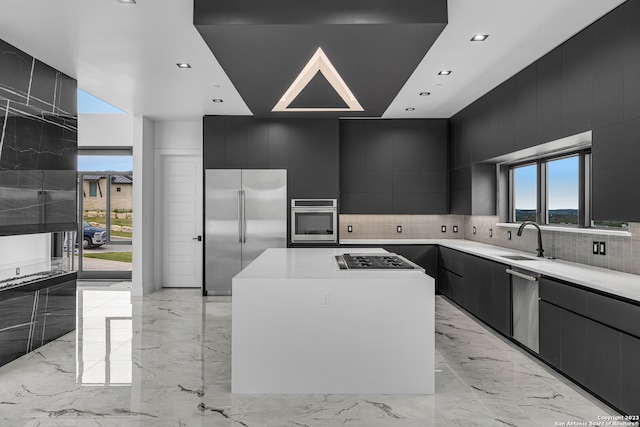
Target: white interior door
<point x="181" y="232"/>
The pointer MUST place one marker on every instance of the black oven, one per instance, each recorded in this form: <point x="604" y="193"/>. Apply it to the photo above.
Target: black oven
<point x="314" y="220"/>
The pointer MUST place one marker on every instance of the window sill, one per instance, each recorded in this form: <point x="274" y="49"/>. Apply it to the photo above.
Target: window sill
<point x="620" y="233"/>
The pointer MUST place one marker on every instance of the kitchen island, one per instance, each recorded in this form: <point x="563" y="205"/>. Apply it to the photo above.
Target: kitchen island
<point x="301" y="325"/>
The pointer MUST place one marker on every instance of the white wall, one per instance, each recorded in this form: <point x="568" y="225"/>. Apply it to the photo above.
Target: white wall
<point x="179" y="135"/>
<point x="143" y="268"/>
<point x="105" y="130"/>
<point x="29" y="252"/>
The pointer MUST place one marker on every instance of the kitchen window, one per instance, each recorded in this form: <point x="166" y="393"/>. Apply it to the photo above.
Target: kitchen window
<point x="554" y="191"/>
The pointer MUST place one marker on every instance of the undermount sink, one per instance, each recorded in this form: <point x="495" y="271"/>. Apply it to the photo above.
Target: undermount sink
<point x="518" y="258"/>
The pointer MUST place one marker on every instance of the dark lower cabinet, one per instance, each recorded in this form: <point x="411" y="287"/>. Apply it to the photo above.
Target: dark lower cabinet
<point x="596" y="346"/>
<point x="426" y="256"/>
<point x="630" y="374"/>
<point x="15" y="327"/>
<point x="550" y="334"/>
<point x="500" y="298"/>
<point x="603" y="361"/>
<point x="36" y="316"/>
<point x="574" y="348"/>
<point x="481" y="286"/>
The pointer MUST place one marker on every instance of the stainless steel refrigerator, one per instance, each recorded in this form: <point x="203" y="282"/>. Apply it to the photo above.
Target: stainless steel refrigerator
<point x="245" y="213"/>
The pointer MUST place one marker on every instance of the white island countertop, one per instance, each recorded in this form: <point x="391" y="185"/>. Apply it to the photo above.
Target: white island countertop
<point x="303" y="326"/>
<point x="313" y="263"/>
<point x="613" y="282"/>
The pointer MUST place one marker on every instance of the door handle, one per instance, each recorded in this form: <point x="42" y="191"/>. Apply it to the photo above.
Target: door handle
<point x="244" y="219"/>
<point x="199" y="238"/>
<point x="240" y="208"/>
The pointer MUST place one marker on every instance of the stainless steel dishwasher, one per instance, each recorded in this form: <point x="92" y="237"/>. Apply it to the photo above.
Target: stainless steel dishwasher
<point x="524" y="295"/>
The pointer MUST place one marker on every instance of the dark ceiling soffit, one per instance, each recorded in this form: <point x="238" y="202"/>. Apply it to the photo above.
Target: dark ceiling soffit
<point x="260" y="12"/>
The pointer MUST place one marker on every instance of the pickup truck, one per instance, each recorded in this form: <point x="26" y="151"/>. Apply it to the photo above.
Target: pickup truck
<point x="93" y="236"/>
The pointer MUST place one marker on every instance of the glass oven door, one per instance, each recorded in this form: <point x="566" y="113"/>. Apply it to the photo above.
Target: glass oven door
<point x="313" y="224"/>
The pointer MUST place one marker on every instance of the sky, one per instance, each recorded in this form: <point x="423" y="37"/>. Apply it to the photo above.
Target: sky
<point x="562" y="185"/>
<point x="89" y="104"/>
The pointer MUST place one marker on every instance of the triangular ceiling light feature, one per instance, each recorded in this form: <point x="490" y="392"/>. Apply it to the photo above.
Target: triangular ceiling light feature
<point x="319" y="62"/>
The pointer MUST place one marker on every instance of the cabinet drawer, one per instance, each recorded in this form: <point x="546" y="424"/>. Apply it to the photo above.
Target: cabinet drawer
<point x="565" y="296"/>
<point x="615" y="313"/>
<point x="452" y="260"/>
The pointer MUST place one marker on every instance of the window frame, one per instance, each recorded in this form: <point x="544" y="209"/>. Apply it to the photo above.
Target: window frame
<point x="542" y="188"/>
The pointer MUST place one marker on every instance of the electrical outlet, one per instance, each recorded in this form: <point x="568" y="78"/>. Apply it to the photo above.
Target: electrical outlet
<point x="17" y="271"/>
<point x="474" y="230"/>
<point x="603" y="248"/>
<point x="596" y="248"/>
<point x="508" y="235"/>
<point x="491" y="232"/>
<point x="349" y="228"/>
<point x="399" y="229"/>
<point x="325" y="300"/>
<point x="455" y="228"/>
<point x="443" y="228"/>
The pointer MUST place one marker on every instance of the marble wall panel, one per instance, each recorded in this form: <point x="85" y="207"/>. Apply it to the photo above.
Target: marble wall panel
<point x="38" y="144"/>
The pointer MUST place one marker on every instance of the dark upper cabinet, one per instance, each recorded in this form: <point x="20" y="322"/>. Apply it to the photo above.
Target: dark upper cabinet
<point x="615" y="151"/>
<point x="525" y="107"/>
<point x="630" y="374"/>
<point x="577" y="83"/>
<point x="549" y="97"/>
<point x="214" y="142"/>
<point x="506" y="117"/>
<point x="352" y="145"/>
<point x="257" y="144"/>
<point x="485" y="130"/>
<point x="308" y="148"/>
<point x="472" y="190"/>
<point x="608" y="69"/>
<point x="236" y="142"/>
<point x="393" y="166"/>
<point x="631" y="43"/>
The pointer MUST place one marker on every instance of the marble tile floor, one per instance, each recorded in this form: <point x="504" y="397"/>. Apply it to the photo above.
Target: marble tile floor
<point x="164" y="360"/>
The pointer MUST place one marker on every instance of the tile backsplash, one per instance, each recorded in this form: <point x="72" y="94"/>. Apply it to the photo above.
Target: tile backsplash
<point x="622" y="251"/>
<point x="413" y="226"/>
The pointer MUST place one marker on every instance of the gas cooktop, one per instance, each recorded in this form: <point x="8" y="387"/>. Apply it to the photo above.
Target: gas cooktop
<point x="366" y="261"/>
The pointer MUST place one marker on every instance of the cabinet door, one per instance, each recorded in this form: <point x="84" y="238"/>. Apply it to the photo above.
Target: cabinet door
<point x="60" y="311"/>
<point x="15" y="327"/>
<point x="456" y="284"/>
<point x="550" y="334"/>
<point x="444" y="287"/>
<point x="423" y="255"/>
<point x="603" y="362"/>
<point x="477" y="286"/>
<point x="630" y="374"/>
<point x="577" y="83"/>
<point x="500" y="298"/>
<point x="574" y="349"/>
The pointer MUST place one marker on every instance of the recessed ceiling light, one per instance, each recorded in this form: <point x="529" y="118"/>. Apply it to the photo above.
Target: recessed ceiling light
<point x="218" y="100"/>
<point x="479" y="37"/>
<point x="127" y="1"/>
<point x="425" y="93"/>
<point x="409" y="109"/>
<point x="444" y="73"/>
<point x="183" y="65"/>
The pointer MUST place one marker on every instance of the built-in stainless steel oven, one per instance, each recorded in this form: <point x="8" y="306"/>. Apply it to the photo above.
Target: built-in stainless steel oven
<point x="314" y="220"/>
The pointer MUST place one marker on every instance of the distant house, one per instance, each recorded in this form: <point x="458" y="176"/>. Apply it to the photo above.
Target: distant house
<point x="95" y="192"/>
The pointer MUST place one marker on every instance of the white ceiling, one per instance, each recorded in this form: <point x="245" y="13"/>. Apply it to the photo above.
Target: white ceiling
<point x="127" y="54"/>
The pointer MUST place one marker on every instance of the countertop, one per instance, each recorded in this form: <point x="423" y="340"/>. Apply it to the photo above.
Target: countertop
<point x="613" y="282"/>
<point x="315" y="263"/>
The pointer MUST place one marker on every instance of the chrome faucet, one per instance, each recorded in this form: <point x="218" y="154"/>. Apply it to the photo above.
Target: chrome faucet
<point x="523" y="225"/>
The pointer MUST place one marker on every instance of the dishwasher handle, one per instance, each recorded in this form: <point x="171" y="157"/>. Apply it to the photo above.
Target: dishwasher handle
<point x="522" y="275"/>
